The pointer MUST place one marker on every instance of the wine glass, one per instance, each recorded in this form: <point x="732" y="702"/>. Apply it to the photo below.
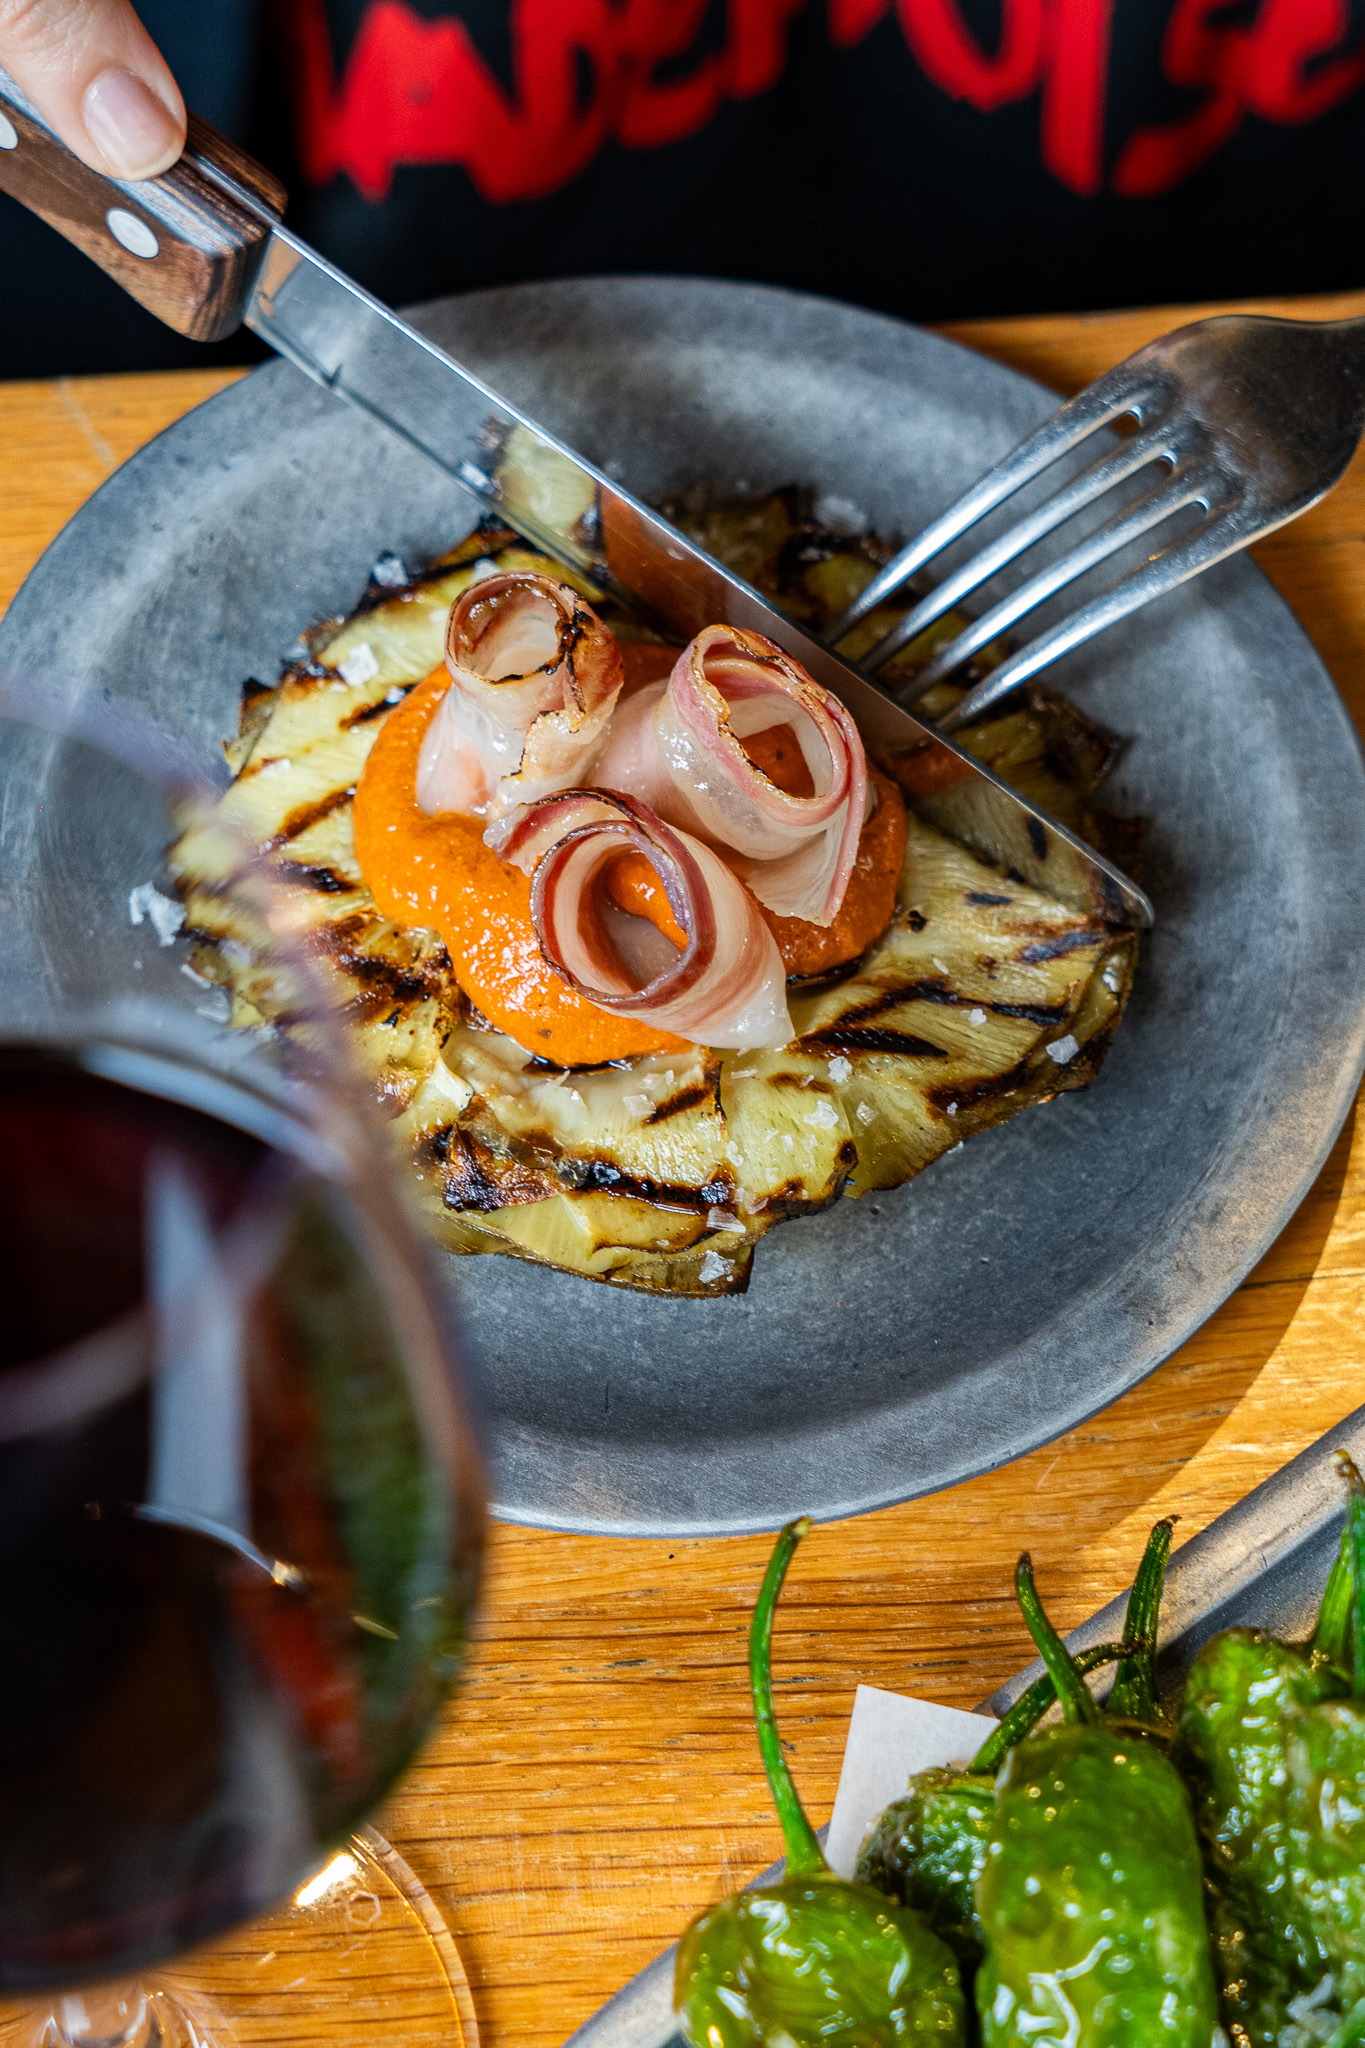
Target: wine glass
<point x="241" y="1496"/>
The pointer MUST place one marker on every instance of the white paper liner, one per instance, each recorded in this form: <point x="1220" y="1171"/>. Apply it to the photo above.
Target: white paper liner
<point x="889" y="1738"/>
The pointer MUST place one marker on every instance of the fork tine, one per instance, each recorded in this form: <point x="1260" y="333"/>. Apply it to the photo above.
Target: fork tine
<point x="1121" y="391"/>
<point x="1221" y="534"/>
<point x="1124" y="461"/>
<point x="1184" y="487"/>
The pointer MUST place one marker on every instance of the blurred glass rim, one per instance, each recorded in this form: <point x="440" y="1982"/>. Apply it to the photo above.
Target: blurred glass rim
<point x="124" y="732"/>
<point x="298" y="1091"/>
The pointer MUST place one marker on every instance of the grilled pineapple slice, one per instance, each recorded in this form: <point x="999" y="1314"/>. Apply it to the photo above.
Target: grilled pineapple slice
<point x="661" y="1173"/>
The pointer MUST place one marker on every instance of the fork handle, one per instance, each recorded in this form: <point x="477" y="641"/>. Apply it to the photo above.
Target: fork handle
<point x="186" y="245"/>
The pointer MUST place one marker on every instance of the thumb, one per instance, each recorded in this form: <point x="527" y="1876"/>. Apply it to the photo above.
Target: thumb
<point x="98" y="79"/>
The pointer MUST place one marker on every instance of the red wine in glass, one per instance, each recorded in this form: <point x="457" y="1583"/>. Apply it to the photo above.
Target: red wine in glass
<point x="240" y="1501"/>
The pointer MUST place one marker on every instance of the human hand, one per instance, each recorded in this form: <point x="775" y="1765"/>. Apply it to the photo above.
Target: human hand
<point x="98" y="79"/>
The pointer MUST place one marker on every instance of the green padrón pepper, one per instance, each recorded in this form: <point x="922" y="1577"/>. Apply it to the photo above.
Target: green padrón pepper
<point x="814" y="1961"/>
<point x="1091" y="1897"/>
<point x="1267" y="1733"/>
<point x="928" y="1848"/>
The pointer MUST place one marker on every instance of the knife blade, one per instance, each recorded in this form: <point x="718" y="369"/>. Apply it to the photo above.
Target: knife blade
<point x="204" y="248"/>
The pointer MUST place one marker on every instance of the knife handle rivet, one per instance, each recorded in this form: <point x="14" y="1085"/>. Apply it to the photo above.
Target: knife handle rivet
<point x="134" y="234"/>
<point x="9" y="134"/>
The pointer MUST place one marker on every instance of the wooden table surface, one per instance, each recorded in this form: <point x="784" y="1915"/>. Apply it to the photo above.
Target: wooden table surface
<point x="596" y="1780"/>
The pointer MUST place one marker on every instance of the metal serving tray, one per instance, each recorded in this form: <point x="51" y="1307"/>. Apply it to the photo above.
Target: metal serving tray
<point x="1263" y="1562"/>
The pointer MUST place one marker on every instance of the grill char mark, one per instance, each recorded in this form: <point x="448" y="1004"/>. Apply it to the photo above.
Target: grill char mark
<point x="1063" y="942"/>
<point x="308" y="814"/>
<point x="317" y="876"/>
<point x="686" y="1098"/>
<point x="873" y="1039"/>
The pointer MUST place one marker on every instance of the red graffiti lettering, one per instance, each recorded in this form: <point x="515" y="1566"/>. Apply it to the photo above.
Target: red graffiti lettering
<point x="1074" y="83"/>
<point x="416" y="91"/>
<point x="949" y="54"/>
<point x="1062" y="45"/>
<point x="1287" y="66"/>
<point x="653" y="113"/>
<point x="851" y="20"/>
<point x="757" y="55"/>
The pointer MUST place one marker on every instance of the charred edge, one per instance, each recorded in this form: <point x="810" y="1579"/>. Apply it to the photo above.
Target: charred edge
<point x="326" y="881"/>
<point x="633" y="1280"/>
<point x="384" y="981"/>
<point x="792" y="1199"/>
<point x="433" y="1147"/>
<point x="808" y="543"/>
<point x="1084" y="750"/>
<point x="1037" y="837"/>
<point x="841" y="1039"/>
<point x="380" y="709"/>
<point x="489" y="538"/>
<point x="916" y="920"/>
<point x="686" y="1098"/>
<point x="469" y="1184"/>
<point x="970" y="1094"/>
<point x="983" y="896"/>
<point x="604" y="1177"/>
<point x="537" y="1065"/>
<point x="307" y="669"/>
<point x="804" y="1081"/>
<point x="250" y="700"/>
<point x="1065" y="942"/>
<point x="308" y="814"/>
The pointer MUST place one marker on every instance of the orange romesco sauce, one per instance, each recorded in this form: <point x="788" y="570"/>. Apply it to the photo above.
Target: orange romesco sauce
<point x="870" y="896"/>
<point x="438" y="872"/>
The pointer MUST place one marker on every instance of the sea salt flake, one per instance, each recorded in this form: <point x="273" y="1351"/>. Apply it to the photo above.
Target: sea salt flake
<point x="1112" y="978"/>
<point x="199" y="980"/>
<point x="216" y="1006"/>
<point x="976" y="1016"/>
<point x="146" y="903"/>
<point x="390" y="572"/>
<point x="839" y="1068"/>
<point x="943" y="967"/>
<point x="360" y="666"/>
<point x="788" y="1142"/>
<point x="713" y="1267"/>
<point x="721" y="1219"/>
<point x="1062" y="1050"/>
<point x="638" y="1105"/>
<point x="863" y="1113"/>
<point x="482" y="568"/>
<point x="841" y="515"/>
<point x="823" y="1116"/>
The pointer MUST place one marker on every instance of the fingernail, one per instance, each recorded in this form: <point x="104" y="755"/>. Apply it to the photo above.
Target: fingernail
<point x="131" y="128"/>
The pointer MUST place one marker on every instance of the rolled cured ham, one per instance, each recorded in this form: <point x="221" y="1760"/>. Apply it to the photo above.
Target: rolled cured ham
<point x="680" y="747"/>
<point x="723" y="985"/>
<point x="534" y="678"/>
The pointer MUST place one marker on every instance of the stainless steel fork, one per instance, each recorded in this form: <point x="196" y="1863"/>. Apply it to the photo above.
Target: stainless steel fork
<point x="1253" y="419"/>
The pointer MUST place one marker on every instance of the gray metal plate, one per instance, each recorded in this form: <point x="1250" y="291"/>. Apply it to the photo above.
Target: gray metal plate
<point x="1263" y="1564"/>
<point x="899" y="1344"/>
